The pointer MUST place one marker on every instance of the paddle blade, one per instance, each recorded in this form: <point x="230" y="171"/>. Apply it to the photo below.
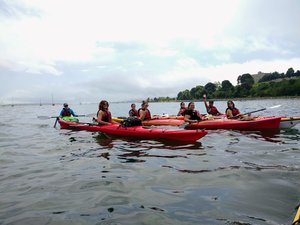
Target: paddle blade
<point x="90" y="115"/>
<point x="55" y="122"/>
<point x="275" y="106"/>
<point x="46" y="117"/>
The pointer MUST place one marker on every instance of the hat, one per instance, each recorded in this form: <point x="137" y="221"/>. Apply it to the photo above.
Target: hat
<point x="65" y="104"/>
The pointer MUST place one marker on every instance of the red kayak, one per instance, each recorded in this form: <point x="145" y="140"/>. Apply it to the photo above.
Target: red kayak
<point x="137" y="131"/>
<point x="259" y="123"/>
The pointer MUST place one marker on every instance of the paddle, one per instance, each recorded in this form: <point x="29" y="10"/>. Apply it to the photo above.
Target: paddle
<point x="258" y="110"/>
<point x="51" y="117"/>
<point x="55" y="122"/>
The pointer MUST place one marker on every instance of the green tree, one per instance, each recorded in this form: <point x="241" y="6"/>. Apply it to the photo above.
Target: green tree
<point x="210" y="88"/>
<point x="247" y="79"/>
<point x="197" y="92"/>
<point x="290" y="72"/>
<point x="226" y="86"/>
<point x="184" y="95"/>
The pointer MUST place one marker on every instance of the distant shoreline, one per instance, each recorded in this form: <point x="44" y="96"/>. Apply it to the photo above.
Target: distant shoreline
<point x="190" y="100"/>
<point x="234" y="99"/>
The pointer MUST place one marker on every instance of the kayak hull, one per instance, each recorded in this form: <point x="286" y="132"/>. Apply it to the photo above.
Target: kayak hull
<point x="224" y="123"/>
<point x="289" y="122"/>
<point x="137" y="131"/>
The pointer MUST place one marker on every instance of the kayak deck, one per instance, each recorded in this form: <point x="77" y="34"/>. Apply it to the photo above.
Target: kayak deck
<point x="259" y="123"/>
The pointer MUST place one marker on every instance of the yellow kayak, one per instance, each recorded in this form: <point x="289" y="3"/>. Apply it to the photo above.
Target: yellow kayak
<point x="117" y="119"/>
<point x="297" y="217"/>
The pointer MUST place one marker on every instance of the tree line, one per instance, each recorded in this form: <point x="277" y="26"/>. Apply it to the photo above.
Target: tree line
<point x="270" y="85"/>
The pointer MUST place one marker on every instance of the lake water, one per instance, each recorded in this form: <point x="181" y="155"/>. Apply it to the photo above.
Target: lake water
<point x="51" y="176"/>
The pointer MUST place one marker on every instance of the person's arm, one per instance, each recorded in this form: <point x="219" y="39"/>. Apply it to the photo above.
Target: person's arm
<point x="205" y="103"/>
<point x="229" y="114"/>
<point x="73" y="114"/>
<point x="99" y="119"/>
<point x="61" y="113"/>
<point x="187" y="119"/>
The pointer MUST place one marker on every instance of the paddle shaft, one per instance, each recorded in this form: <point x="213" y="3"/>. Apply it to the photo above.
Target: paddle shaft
<point x="272" y="107"/>
<point x="259" y="110"/>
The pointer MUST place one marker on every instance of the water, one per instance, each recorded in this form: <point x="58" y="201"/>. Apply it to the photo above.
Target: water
<point x="52" y="176"/>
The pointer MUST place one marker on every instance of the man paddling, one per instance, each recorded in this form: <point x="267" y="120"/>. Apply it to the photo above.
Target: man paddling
<point x="68" y="114"/>
<point x="66" y="111"/>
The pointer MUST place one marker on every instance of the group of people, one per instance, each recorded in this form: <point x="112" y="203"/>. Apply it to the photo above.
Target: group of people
<point x="103" y="116"/>
<point x="190" y="114"/>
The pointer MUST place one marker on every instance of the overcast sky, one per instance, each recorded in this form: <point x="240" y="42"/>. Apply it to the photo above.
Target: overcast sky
<point x="88" y="50"/>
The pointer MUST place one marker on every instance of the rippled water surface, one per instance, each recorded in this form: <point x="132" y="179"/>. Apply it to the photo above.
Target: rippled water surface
<point x="53" y="176"/>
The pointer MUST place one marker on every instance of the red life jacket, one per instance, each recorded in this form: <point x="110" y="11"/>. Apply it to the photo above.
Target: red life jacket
<point x="106" y="116"/>
<point x="133" y="113"/>
<point x="234" y="111"/>
<point x="148" y="114"/>
<point x="66" y="112"/>
<point x="212" y="110"/>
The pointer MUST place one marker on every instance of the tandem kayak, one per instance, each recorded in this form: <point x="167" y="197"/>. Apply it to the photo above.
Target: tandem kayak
<point x="137" y="131"/>
<point x="259" y="123"/>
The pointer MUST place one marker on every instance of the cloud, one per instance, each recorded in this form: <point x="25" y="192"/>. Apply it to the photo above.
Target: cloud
<point x="137" y="48"/>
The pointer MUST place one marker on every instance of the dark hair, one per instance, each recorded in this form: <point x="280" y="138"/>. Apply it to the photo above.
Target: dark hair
<point x="144" y="103"/>
<point x="230" y="101"/>
<point x="65" y="104"/>
<point x="101" y="105"/>
<point x="132" y="104"/>
<point x="190" y="104"/>
<point x="182" y="103"/>
<point x="211" y="101"/>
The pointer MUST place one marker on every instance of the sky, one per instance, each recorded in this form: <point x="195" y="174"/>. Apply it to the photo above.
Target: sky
<point x="89" y="50"/>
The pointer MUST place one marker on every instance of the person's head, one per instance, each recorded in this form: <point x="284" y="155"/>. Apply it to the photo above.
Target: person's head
<point x="145" y="104"/>
<point x="133" y="106"/>
<point x="230" y="104"/>
<point x="103" y="105"/>
<point x="182" y="105"/>
<point x="191" y="105"/>
<point x="66" y="105"/>
<point x="211" y="103"/>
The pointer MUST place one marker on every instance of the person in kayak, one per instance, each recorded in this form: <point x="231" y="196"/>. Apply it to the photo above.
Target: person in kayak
<point x="182" y="109"/>
<point x="144" y="112"/>
<point x="66" y="111"/>
<point x="191" y="115"/>
<point x="103" y="114"/>
<point x="133" y="112"/>
<point x="210" y="108"/>
<point x="233" y="113"/>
